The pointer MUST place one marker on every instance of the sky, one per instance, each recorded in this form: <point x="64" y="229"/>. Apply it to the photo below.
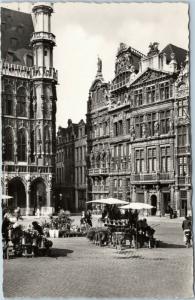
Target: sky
<point x="85" y="31"/>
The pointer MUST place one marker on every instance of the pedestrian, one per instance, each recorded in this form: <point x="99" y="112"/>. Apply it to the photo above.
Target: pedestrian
<point x="186" y="226"/>
<point x="18" y="213"/>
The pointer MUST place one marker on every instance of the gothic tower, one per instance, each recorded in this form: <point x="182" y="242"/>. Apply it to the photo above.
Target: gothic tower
<point x="44" y="78"/>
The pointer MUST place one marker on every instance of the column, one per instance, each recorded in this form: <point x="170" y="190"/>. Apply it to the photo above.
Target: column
<point x="27" y="177"/>
<point x="177" y="201"/>
<point x="173" y="204"/>
<point x="159" y="204"/>
<point x="76" y="200"/>
<point x="28" y="201"/>
<point x="133" y="193"/>
<point x="189" y="202"/>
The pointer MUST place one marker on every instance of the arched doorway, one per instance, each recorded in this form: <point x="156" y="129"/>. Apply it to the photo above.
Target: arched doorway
<point x="16" y="189"/>
<point x="153" y="203"/>
<point x="38" y="194"/>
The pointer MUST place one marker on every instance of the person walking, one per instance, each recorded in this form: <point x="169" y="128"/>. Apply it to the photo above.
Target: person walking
<point x="187" y="227"/>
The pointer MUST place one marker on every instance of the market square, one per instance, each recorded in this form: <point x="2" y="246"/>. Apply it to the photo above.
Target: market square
<point x="96" y="150"/>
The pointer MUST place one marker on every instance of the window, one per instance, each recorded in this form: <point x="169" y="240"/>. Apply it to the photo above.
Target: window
<point x="128" y="128"/>
<point x="8" y="100"/>
<point x="183" y="108"/>
<point x="151" y="160"/>
<point x="164" y="121"/>
<point x="21" y="145"/>
<point x="21" y="102"/>
<point x="120" y="183"/>
<point x="120" y="127"/>
<point x="150" y="94"/>
<point x="9" y="144"/>
<point x="138" y="98"/>
<point x="139" y="126"/>
<point x="151" y="118"/>
<point x="115" y="184"/>
<point x="164" y="91"/>
<point x="182" y="136"/>
<point x="182" y="165"/>
<point x="29" y="61"/>
<point x="139" y="161"/>
<point x="165" y="159"/>
<point x="32" y="140"/>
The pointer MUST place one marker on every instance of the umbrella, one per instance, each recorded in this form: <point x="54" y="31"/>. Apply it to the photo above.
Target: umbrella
<point x="137" y="205"/>
<point x="110" y="201"/>
<point x="5" y="197"/>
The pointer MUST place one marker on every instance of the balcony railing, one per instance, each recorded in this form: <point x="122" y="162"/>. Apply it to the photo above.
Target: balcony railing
<point x="43" y="72"/>
<point x="26" y="169"/>
<point x="97" y="171"/>
<point x="98" y="189"/>
<point x="183" y="150"/>
<point x="184" y="180"/>
<point x="152" y="177"/>
<point x="41" y="35"/>
<point x="29" y="72"/>
<point x="119" y="85"/>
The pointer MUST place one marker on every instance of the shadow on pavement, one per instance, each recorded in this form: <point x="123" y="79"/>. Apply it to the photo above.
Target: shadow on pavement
<point x="168" y="245"/>
<point x="55" y="252"/>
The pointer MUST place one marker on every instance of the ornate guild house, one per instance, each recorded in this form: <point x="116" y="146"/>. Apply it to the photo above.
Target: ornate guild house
<point x="28" y="81"/>
<point x="138" y="130"/>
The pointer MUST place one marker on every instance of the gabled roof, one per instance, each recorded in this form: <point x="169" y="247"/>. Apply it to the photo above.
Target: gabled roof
<point x="180" y="54"/>
<point x="16" y="32"/>
<point x="149" y="74"/>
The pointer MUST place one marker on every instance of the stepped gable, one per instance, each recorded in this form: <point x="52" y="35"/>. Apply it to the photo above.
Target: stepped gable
<point x="17" y="29"/>
<point x="180" y="54"/>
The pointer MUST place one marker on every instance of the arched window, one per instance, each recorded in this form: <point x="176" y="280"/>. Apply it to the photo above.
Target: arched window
<point x="21" y="102"/>
<point x="9" y="144"/>
<point x="22" y="145"/>
<point x="32" y="141"/>
<point x="8" y="100"/>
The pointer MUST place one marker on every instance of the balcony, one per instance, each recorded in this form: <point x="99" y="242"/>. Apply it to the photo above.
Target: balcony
<point x="41" y="35"/>
<point x="16" y="70"/>
<point x="119" y="85"/>
<point x="98" y="171"/>
<point x="182" y="180"/>
<point x="43" y="72"/>
<point x="184" y="150"/>
<point x="28" y="72"/>
<point x="152" y="177"/>
<point x="26" y="169"/>
<point x="100" y="189"/>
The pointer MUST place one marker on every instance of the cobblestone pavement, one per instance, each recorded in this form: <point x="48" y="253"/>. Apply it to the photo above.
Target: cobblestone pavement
<point x="78" y="268"/>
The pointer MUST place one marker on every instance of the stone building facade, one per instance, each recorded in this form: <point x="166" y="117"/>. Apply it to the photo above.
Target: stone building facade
<point x="28" y="101"/>
<point x="138" y="130"/>
<point x="71" y="167"/>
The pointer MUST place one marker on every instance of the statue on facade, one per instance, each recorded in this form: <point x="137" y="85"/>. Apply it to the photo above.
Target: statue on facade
<point x="132" y="132"/>
<point x="156" y="128"/>
<point x="171" y="125"/>
<point x="99" y="65"/>
<point x="153" y="49"/>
